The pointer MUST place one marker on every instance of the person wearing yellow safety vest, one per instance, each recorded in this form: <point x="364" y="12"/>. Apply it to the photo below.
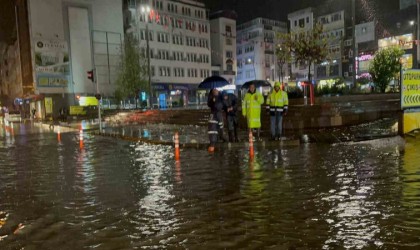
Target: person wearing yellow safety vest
<point x="277" y="106"/>
<point x="251" y="109"/>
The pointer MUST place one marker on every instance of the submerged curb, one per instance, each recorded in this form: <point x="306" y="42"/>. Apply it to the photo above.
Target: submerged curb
<point x="282" y="143"/>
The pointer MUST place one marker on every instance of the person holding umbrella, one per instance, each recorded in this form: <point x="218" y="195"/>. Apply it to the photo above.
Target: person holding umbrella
<point x="251" y="109"/>
<point x="230" y="106"/>
<point x="277" y="106"/>
<point x="215" y="127"/>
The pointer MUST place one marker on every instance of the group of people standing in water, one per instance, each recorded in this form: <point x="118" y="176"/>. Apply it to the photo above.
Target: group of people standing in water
<point x="224" y="107"/>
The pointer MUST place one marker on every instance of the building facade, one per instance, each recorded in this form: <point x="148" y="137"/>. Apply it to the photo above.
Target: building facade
<point x="83" y="35"/>
<point x="223" y="45"/>
<point x="256" y="45"/>
<point x="58" y="42"/>
<point x="10" y="75"/>
<point x="334" y="31"/>
<point x="179" y="42"/>
<point x="406" y="3"/>
<point x="301" y="21"/>
<point x="367" y="45"/>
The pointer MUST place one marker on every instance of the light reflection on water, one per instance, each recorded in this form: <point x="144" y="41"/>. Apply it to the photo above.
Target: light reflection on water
<point x="109" y="194"/>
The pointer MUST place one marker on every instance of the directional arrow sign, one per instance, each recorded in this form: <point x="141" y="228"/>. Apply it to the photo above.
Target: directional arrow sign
<point x="410" y="89"/>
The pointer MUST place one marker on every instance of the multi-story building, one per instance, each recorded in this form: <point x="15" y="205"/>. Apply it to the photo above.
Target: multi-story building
<point x="301" y="21"/>
<point x="179" y="42"/>
<point x="59" y="41"/>
<point x="256" y="44"/>
<point x="406" y="3"/>
<point x="3" y="82"/>
<point x="223" y="44"/>
<point x="334" y="31"/>
<point x="400" y="28"/>
<point x="338" y="33"/>
<point x="367" y="45"/>
<point x="10" y="74"/>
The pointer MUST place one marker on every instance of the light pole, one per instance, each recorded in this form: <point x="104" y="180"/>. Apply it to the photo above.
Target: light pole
<point x="353" y="19"/>
<point x="417" y="31"/>
<point x="145" y="10"/>
<point x="415" y="40"/>
<point x="400" y="81"/>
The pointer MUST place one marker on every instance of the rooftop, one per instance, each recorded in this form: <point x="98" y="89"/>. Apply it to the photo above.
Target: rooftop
<point x="261" y="21"/>
<point x="230" y="14"/>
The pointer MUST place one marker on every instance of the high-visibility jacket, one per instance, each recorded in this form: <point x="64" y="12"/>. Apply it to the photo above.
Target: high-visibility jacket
<point x="277" y="101"/>
<point x="251" y="109"/>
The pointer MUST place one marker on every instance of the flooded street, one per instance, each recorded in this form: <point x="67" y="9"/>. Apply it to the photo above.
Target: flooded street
<point x="83" y="191"/>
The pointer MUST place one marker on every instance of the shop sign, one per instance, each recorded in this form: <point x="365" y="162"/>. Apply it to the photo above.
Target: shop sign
<point x="48" y="105"/>
<point x="410" y="89"/>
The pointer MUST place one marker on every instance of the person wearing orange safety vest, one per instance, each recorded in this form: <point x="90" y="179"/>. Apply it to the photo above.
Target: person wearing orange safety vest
<point x="251" y="109"/>
<point x="277" y="106"/>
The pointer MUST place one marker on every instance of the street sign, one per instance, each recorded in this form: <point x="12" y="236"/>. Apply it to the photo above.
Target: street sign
<point x="410" y="89"/>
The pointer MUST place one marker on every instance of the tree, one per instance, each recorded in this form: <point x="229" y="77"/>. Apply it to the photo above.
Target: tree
<point x="307" y="46"/>
<point x="283" y="56"/>
<point x="385" y="66"/>
<point x="132" y="77"/>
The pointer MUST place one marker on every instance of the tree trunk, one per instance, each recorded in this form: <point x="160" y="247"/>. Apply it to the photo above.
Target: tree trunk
<point x="309" y="72"/>
<point x="281" y="74"/>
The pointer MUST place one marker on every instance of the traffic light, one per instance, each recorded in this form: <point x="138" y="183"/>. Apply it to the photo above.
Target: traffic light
<point x="90" y="75"/>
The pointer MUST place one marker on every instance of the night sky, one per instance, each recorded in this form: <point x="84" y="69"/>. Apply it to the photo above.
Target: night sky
<point x="246" y="9"/>
<point x="7" y="15"/>
<point x="278" y="9"/>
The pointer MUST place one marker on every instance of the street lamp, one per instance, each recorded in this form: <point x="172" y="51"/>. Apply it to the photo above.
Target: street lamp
<point x="145" y="10"/>
<point x="253" y="66"/>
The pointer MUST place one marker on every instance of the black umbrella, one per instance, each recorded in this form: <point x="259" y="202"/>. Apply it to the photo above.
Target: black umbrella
<point x="213" y="82"/>
<point x="257" y="83"/>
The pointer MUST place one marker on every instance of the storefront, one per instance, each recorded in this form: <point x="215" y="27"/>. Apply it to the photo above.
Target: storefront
<point x="175" y="95"/>
<point x="404" y="42"/>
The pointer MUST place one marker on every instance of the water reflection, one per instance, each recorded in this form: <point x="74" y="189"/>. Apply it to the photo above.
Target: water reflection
<point x="97" y="192"/>
<point x="154" y="214"/>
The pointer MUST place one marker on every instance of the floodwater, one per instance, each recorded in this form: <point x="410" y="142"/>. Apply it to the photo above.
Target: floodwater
<point x="77" y="191"/>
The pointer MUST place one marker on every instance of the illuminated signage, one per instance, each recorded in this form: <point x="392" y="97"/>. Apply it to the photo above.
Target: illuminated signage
<point x="365" y="57"/>
<point x="403" y="42"/>
<point x="410" y="91"/>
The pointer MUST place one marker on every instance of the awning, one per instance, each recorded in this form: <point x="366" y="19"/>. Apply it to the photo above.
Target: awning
<point x="34" y="97"/>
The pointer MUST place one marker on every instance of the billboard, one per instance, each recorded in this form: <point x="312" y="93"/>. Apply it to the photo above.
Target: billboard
<point x="410" y="89"/>
<point x="404" y="42"/>
<point x="52" y="63"/>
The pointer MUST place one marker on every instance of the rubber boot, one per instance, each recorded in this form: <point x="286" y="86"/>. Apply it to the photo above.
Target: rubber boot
<point x="258" y="135"/>
<point x="222" y="136"/>
<point x="231" y="139"/>
<point x="235" y="131"/>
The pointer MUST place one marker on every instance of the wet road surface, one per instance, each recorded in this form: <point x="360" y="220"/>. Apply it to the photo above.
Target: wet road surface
<point x="77" y="191"/>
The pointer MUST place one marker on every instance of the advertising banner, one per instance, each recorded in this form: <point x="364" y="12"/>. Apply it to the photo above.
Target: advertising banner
<point x="404" y="42"/>
<point x="410" y="89"/>
<point x="52" y="63"/>
<point x="48" y="105"/>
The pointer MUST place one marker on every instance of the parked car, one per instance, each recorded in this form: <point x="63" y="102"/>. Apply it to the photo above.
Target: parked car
<point x="13" y="116"/>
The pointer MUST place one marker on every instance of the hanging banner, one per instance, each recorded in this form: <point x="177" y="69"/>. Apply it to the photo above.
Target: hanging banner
<point x="48" y="105"/>
<point x="52" y="63"/>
